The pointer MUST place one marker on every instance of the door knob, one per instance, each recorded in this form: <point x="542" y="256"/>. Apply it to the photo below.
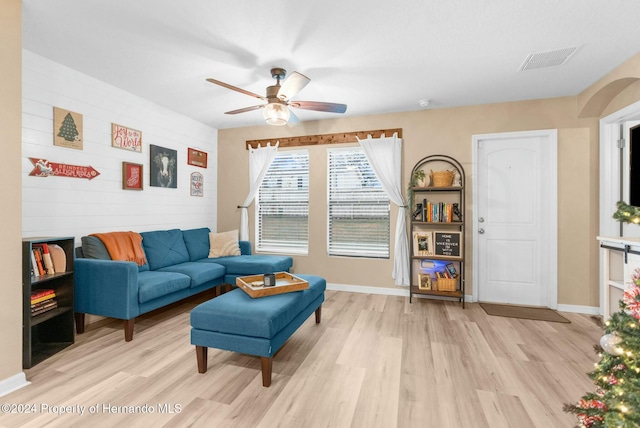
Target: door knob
<point x="481" y="219"/>
<point x="480" y="231"/>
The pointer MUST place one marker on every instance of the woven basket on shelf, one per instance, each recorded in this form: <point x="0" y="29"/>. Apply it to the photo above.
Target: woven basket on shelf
<point x="447" y="284"/>
<point x="441" y="178"/>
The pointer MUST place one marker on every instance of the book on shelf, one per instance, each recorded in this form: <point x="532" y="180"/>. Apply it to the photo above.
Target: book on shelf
<point x="34" y="266"/>
<point x="40" y="308"/>
<point x="438" y="212"/>
<point x="451" y="269"/>
<point x="41" y="292"/>
<point x="46" y="257"/>
<point x="39" y="264"/>
<point x="42" y="298"/>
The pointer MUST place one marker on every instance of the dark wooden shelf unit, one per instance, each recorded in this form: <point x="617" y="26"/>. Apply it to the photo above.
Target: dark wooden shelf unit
<point x="50" y="332"/>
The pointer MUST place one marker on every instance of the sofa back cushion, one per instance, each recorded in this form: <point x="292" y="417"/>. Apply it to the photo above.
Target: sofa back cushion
<point x="197" y="242"/>
<point x="164" y="248"/>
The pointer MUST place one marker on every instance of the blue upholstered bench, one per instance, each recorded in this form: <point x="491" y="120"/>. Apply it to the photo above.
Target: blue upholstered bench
<point x="236" y="322"/>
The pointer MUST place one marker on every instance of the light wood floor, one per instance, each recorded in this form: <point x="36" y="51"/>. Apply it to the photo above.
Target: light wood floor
<point x="374" y="361"/>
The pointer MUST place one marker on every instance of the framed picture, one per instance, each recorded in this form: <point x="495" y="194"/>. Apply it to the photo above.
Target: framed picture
<point x="67" y="129"/>
<point x="196" y="184"/>
<point x="164" y="167"/>
<point x="422" y="244"/>
<point x="448" y="244"/>
<point x="196" y="158"/>
<point x="132" y="176"/>
<point x="126" y="138"/>
<point x="424" y="281"/>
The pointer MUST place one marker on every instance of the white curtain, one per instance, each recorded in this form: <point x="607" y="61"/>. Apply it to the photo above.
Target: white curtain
<point x="385" y="157"/>
<point x="259" y="161"/>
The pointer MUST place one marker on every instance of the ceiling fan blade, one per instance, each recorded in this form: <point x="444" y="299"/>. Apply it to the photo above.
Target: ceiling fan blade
<point x="233" y="88"/>
<point x="292" y="85"/>
<point x="293" y="119"/>
<point x="320" y="106"/>
<point x="242" y="110"/>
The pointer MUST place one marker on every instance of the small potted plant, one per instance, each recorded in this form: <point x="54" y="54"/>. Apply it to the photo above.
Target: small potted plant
<point x="417" y="180"/>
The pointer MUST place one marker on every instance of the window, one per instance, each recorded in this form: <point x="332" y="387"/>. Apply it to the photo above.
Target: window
<point x="358" y="207"/>
<point x="283" y="205"/>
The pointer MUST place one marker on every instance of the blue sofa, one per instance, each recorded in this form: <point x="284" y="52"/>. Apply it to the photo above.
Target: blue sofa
<point x="177" y="267"/>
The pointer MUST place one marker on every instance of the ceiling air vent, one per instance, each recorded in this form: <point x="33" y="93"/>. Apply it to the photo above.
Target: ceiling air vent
<point x="548" y="59"/>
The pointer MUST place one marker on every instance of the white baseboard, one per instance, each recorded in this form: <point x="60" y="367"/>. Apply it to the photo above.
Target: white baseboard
<point x="13" y="383"/>
<point x="369" y="290"/>
<point x="404" y="291"/>
<point x="589" y="310"/>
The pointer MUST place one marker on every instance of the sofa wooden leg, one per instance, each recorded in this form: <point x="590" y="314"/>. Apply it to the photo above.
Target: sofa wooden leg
<point x="79" y="322"/>
<point x="318" y="314"/>
<point x="201" y="356"/>
<point x="266" y="364"/>
<point x="128" y="329"/>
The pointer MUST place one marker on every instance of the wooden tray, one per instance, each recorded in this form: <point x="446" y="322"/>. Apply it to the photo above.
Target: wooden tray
<point x="285" y="283"/>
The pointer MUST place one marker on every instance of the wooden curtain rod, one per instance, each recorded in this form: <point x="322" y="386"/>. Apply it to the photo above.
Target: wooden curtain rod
<point x="314" y="140"/>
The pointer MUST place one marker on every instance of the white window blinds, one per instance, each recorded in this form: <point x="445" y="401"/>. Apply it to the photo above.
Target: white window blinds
<point x="283" y="205"/>
<point x="358" y="207"/>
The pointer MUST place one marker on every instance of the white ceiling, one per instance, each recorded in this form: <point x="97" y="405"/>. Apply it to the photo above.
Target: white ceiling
<point x="376" y="56"/>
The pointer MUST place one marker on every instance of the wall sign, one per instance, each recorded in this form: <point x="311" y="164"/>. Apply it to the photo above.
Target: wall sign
<point x="126" y="138"/>
<point x="132" y="176"/>
<point x="67" y="129"/>
<point x="196" y="184"/>
<point x="448" y="244"/>
<point x="197" y="158"/>
<point x="44" y="168"/>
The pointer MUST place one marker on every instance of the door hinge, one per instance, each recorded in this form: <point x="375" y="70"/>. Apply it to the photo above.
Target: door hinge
<point x="621" y="143"/>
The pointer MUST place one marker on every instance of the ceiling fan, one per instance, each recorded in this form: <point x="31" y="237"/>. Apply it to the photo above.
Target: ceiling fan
<point x="278" y="98"/>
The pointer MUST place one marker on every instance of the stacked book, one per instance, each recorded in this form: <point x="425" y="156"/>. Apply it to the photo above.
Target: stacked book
<point x="42" y="300"/>
<point x="41" y="262"/>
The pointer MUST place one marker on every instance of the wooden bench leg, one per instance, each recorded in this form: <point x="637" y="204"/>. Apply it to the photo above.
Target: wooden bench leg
<point x="79" y="322"/>
<point x="201" y="356"/>
<point x="266" y="364"/>
<point x="128" y="329"/>
<point x="318" y="314"/>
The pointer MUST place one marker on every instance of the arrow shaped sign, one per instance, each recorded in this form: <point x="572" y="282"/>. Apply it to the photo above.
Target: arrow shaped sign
<point x="44" y="168"/>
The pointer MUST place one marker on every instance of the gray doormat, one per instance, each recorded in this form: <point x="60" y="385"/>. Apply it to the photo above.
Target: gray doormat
<point x="525" y="312"/>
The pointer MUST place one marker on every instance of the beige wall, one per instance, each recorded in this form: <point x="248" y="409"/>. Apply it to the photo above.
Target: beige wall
<point x="10" y="226"/>
<point x="441" y="131"/>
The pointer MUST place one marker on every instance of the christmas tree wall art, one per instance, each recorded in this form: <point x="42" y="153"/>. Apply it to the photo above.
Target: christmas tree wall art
<point x="67" y="128"/>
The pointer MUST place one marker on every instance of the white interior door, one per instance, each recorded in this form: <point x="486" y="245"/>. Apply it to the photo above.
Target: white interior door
<point x="515" y="218"/>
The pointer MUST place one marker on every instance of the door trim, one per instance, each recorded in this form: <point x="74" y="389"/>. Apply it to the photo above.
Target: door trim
<point x="610" y="167"/>
<point x="550" y="198"/>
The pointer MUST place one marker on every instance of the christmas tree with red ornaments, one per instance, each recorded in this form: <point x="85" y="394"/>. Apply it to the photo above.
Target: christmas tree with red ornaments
<point x="616" y="400"/>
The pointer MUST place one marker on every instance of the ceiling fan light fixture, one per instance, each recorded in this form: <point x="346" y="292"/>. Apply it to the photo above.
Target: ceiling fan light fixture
<point x="276" y="114"/>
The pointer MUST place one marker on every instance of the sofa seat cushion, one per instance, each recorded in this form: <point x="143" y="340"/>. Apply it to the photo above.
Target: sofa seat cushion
<point x="199" y="273"/>
<point x="164" y="248"/>
<point x="228" y="313"/>
<point x="253" y="265"/>
<point x="152" y="285"/>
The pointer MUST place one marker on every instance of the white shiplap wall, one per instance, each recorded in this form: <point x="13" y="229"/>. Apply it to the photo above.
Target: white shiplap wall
<point x="62" y="206"/>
